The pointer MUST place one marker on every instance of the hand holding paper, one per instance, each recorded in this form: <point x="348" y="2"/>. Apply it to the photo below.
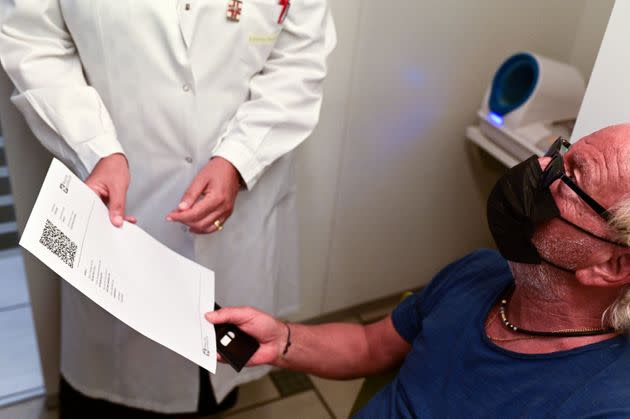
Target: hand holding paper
<point x="124" y="270"/>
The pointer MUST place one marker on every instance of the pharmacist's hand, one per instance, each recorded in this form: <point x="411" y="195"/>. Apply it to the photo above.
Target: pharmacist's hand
<point x="209" y="200"/>
<point x="110" y="180"/>
<point x="270" y="333"/>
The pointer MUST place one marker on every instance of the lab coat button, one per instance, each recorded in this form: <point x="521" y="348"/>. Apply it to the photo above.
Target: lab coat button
<point x="186" y="87"/>
<point x="189" y="159"/>
<point x="187" y="6"/>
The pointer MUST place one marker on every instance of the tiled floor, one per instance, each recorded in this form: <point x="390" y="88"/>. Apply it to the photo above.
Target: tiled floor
<point x="338" y="395"/>
<point x="12" y="279"/>
<point x="303" y="405"/>
<point x="31" y="409"/>
<point x="305" y="397"/>
<point x="20" y="372"/>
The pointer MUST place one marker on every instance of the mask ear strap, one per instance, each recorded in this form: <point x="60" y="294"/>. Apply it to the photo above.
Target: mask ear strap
<point x="595" y="236"/>
<point x="548" y="262"/>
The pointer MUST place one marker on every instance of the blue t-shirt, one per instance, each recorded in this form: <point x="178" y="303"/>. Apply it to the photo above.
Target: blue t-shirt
<point x="454" y="371"/>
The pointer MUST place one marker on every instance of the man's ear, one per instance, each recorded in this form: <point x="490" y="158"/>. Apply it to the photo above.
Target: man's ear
<point x="612" y="273"/>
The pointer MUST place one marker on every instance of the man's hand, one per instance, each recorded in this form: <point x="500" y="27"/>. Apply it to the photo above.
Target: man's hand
<point x="209" y="198"/>
<point x="110" y="181"/>
<point x="270" y="333"/>
<point x="330" y="350"/>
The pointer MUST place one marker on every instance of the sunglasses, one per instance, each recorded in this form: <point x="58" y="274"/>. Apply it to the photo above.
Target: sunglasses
<point x="555" y="171"/>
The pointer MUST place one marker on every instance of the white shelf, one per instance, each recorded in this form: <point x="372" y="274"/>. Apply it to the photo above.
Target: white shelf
<point x="475" y="135"/>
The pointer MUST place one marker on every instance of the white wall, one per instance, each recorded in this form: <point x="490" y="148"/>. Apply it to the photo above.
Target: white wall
<point x="607" y="101"/>
<point x="319" y="161"/>
<point x="390" y="190"/>
<point x="589" y="33"/>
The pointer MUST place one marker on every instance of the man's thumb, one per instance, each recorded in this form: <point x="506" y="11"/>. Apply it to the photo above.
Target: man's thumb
<point x="192" y="194"/>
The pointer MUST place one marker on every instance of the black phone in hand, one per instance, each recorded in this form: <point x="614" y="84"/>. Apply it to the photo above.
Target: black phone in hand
<point x="235" y="346"/>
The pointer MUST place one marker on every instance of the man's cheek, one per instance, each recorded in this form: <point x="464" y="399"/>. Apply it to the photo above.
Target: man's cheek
<point x="556" y="243"/>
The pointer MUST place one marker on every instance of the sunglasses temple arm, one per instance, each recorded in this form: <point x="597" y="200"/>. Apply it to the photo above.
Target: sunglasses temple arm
<point x="586" y="198"/>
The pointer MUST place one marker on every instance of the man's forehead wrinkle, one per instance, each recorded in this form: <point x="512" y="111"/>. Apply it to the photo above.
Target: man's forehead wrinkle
<point x="613" y="158"/>
<point x="604" y="165"/>
<point x="600" y="164"/>
<point x="619" y="164"/>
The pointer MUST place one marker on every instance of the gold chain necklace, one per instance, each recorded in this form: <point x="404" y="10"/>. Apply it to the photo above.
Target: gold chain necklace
<point x="565" y="333"/>
<point x="494" y="339"/>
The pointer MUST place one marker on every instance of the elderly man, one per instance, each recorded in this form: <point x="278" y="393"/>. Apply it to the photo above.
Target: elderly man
<point x="539" y="335"/>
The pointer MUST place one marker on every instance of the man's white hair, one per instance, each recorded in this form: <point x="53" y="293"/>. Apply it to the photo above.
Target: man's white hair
<point x="618" y="314"/>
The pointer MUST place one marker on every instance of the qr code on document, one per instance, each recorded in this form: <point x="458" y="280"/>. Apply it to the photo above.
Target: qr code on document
<point x="58" y="243"/>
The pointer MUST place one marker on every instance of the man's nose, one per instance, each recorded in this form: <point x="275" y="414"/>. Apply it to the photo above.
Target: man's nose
<point x="544" y="162"/>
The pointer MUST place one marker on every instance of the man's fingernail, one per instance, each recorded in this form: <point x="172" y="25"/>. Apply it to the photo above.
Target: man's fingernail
<point x="118" y="220"/>
<point x="169" y="219"/>
<point x="183" y="205"/>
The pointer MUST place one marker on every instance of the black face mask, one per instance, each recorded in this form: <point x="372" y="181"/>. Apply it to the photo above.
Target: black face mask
<point x="521" y="200"/>
<point x="516" y="205"/>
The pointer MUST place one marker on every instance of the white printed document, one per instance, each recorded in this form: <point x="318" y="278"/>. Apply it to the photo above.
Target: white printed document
<point x="154" y="290"/>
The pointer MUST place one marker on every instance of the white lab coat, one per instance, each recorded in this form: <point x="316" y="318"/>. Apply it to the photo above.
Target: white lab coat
<point x="171" y="84"/>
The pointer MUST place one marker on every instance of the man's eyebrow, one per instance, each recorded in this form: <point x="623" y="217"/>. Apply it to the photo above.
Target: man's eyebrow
<point x="580" y="162"/>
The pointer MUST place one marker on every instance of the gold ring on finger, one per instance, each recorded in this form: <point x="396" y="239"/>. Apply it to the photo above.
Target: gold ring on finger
<point x="218" y="225"/>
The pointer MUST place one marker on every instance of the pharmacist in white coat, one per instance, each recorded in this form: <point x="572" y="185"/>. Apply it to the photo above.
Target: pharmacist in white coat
<point x="194" y="106"/>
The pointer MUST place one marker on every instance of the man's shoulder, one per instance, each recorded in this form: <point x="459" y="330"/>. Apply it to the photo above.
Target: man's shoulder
<point x="484" y="258"/>
<point x="480" y="261"/>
